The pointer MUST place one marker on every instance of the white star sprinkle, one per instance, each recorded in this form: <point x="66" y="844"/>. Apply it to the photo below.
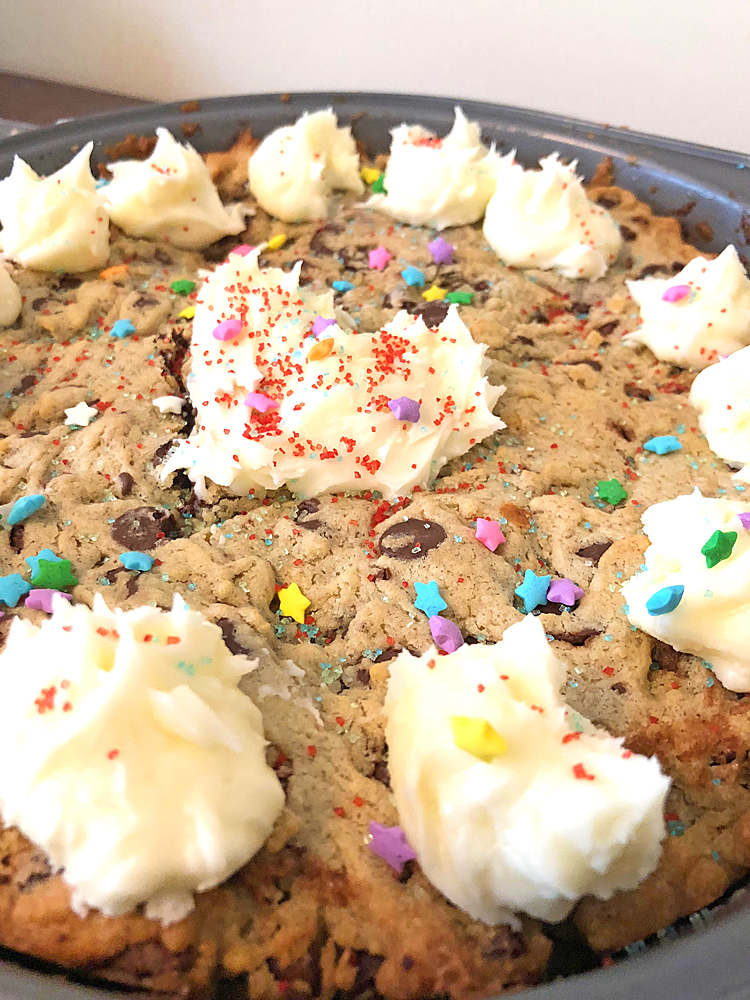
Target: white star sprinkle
<point x="80" y="415"/>
<point x="168" y="404"/>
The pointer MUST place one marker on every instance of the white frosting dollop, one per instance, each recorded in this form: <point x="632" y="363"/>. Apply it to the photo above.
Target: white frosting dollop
<point x="325" y="421"/>
<point x="721" y="395"/>
<point x="543" y="219"/>
<point x="55" y="223"/>
<point x="563" y="812"/>
<point x="712" y="619"/>
<point x="438" y="182"/>
<point x="130" y="755"/>
<point x="296" y="168"/>
<point x="10" y="298"/>
<point x="712" y="319"/>
<point x="171" y="197"/>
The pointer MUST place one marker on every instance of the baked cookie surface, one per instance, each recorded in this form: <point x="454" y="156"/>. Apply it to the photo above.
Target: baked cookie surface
<point x="316" y="913"/>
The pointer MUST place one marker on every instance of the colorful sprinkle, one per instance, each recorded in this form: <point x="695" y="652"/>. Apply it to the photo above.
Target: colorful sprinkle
<point x="488" y="533"/>
<point x="260" y="402"/>
<point x="80" y="415"/>
<point x="112" y="272"/>
<point x="477" y="737"/>
<point x="276" y="242"/>
<point x="744" y="520"/>
<point x="24" y="507"/>
<point x="665" y="600"/>
<point x="676" y="293"/>
<point x="342" y="286"/>
<point x="378" y="258"/>
<point x="228" y="329"/>
<point x="719" y="547"/>
<point x="41" y="599"/>
<point x="140" y="561"/>
<point x="183" y="286"/>
<point x="54" y="574"/>
<point x="405" y="408"/>
<point x="12" y="588"/>
<point x="446" y="634"/>
<point x="441" y="250"/>
<point x="369" y="174"/>
<point x="33" y="561"/>
<point x="121" y="328"/>
<point x="564" y="591"/>
<point x="462" y="298"/>
<point x="378" y="186"/>
<point x="428" y="598"/>
<point x="533" y="591"/>
<point x="321" y="324"/>
<point x="390" y="844"/>
<point x="293" y="603"/>
<point x="242" y="250"/>
<point x="434" y="292"/>
<point x="663" y="445"/>
<point x="413" y="277"/>
<point x="610" y="491"/>
<point x="187" y="313"/>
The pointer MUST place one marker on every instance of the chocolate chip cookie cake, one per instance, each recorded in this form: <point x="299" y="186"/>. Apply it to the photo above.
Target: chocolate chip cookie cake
<point x="374" y="567"/>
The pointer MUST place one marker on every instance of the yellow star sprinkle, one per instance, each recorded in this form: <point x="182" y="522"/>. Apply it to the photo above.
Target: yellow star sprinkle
<point x="276" y="242"/>
<point x="188" y="312"/>
<point x="434" y="292"/>
<point x="292" y="602"/>
<point x="369" y="174"/>
<point x="477" y="737"/>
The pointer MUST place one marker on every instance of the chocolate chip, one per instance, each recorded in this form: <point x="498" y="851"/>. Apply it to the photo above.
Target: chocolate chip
<point x="579" y="307"/>
<point x="38" y="304"/>
<point x="363" y="677"/>
<point x="433" y="313"/>
<point x="539" y="317"/>
<point x="132" y="586"/>
<point x="607" y="201"/>
<point x="68" y="282"/>
<point x="591" y="362"/>
<point x="481" y="286"/>
<point x="367" y="969"/>
<point x="407" y="963"/>
<point x="665" y="656"/>
<point x="125" y="484"/>
<point x="26" y="383"/>
<point x="628" y="234"/>
<point x="651" y="269"/>
<point x="704" y="231"/>
<point x="387" y="654"/>
<point x="450" y="279"/>
<point x="594" y="552"/>
<point x="419" y="537"/>
<point x="319" y="246"/>
<point x="143" y="527"/>
<point x="626" y="433"/>
<point x="382" y="574"/>
<point x="162" y="256"/>
<point x="15" y="538"/>
<point x="145" y="302"/>
<point x="726" y="757"/>
<point x="381" y="773"/>
<point x="506" y="943"/>
<point x="230" y="638"/>
<point x="304" y="509"/>
<point x="619" y="688"/>
<point x="579" y="638"/>
<point x="525" y="340"/>
<point x="683" y="210"/>
<point x="636" y="391"/>
<point x="112" y="574"/>
<point x="161" y="453"/>
<point x="607" y="328"/>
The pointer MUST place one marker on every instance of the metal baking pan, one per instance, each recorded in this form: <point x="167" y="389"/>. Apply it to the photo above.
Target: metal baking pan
<point x="707" y="189"/>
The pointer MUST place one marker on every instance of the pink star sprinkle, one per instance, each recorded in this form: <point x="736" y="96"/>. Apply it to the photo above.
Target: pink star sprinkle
<point x="242" y="250"/>
<point x="676" y="293"/>
<point x="565" y="592"/>
<point x="379" y="257"/>
<point x="489" y="533"/>
<point x="228" y="329"/>
<point x="41" y="600"/>
<point x="260" y="402"/>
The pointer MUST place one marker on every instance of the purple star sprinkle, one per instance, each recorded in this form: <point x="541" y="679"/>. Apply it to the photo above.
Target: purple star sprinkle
<point x="744" y="521"/>
<point x="441" y="250"/>
<point x="676" y="293"/>
<point x="564" y="592"/>
<point x="446" y="634"/>
<point x="41" y="600"/>
<point x="390" y="844"/>
<point x="404" y="408"/>
<point x="321" y="324"/>
<point x="260" y="402"/>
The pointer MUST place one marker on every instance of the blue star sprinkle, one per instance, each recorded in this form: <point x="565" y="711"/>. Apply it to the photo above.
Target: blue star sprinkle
<point x="33" y="561"/>
<point x="663" y="445"/>
<point x="413" y="277"/>
<point x="342" y="286"/>
<point x="533" y="590"/>
<point x="665" y="600"/>
<point x="12" y="588"/>
<point x="25" y="507"/>
<point x="429" y="599"/>
<point x="122" y="328"/>
<point x="140" y="561"/>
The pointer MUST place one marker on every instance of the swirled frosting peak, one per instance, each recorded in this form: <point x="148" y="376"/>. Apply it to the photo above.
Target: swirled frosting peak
<point x="55" y="223"/>
<point x="279" y="406"/>
<point x="437" y="182"/>
<point x="170" y="196"/>
<point x="543" y="219"/>
<point x="130" y="755"/>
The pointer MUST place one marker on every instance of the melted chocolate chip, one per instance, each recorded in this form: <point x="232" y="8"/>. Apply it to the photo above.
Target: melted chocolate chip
<point x="636" y="391"/>
<point x="407" y="963"/>
<point x="15" y="538"/>
<point x="26" y="383"/>
<point x="606" y="201"/>
<point x="683" y="210"/>
<point x="626" y="433"/>
<point x="161" y="453"/>
<point x="381" y="773"/>
<point x="319" y="246"/>
<point x="68" y="282"/>
<point x="525" y="340"/>
<point x="450" y="279"/>
<point x="667" y="657"/>
<point x="162" y="256"/>
<point x="304" y="509"/>
<point x="230" y="638"/>
<point x="591" y="362"/>
<point x="367" y="968"/>
<point x="704" y="231"/>
<point x="607" y="328"/>
<point x="651" y="269"/>
<point x="726" y="757"/>
<point x="38" y="304"/>
<point x="363" y="677"/>
<point x="145" y="302"/>
<point x="433" y="313"/>
<point x="143" y="527"/>
<point x="579" y="638"/>
<point x="132" y="586"/>
<point x="539" y="317"/>
<point x="382" y="574"/>
<point x="413" y="538"/>
<point x="594" y="552"/>
<point x="628" y="234"/>
<point x="619" y="688"/>
<point x="125" y="484"/>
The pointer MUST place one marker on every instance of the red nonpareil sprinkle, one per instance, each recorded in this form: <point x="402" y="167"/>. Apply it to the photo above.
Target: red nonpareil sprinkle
<point x="67" y="706"/>
<point x="312" y="751"/>
<point x="581" y="773"/>
<point x="172" y="640"/>
<point x="147" y="638"/>
<point x="608" y="671"/>
<point x="626" y="754"/>
<point x="340" y="720"/>
<point x="569" y="737"/>
<point x="431" y="664"/>
<point x="480" y="688"/>
<point x="358" y="802"/>
<point x="339" y="812"/>
<point x="113" y="754"/>
<point x="46" y="700"/>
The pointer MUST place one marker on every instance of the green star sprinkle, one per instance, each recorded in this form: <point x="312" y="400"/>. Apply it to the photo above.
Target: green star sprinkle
<point x="377" y="187"/>
<point x="610" y="491"/>
<point x="464" y="298"/>
<point x="183" y="287"/>
<point x="719" y="547"/>
<point x="54" y="575"/>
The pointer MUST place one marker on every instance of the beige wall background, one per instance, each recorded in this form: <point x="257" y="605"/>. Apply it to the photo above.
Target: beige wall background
<point x="679" y="68"/>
